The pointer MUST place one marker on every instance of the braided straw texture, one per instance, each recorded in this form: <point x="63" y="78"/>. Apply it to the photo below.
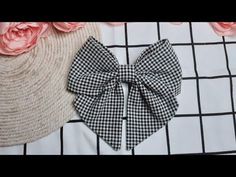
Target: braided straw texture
<point x="34" y="100"/>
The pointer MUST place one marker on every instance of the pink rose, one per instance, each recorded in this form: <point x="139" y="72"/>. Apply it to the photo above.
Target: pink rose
<point x="68" y="26"/>
<point x="18" y="37"/>
<point x="115" y="23"/>
<point x="224" y="28"/>
<point x="176" y="23"/>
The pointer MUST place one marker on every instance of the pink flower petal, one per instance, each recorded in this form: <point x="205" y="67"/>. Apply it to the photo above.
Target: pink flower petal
<point x="4" y="26"/>
<point x="176" y="23"/>
<point x="224" y="28"/>
<point x="21" y="37"/>
<point x="116" y="23"/>
<point x="68" y="26"/>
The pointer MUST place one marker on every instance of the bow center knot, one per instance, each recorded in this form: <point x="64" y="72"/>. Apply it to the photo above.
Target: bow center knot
<point x="127" y="73"/>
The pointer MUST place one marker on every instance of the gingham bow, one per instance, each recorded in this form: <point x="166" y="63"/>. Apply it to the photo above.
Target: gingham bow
<point x="96" y="77"/>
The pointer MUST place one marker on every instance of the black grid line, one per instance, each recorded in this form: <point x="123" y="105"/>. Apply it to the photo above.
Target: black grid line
<point x="209" y="77"/>
<point x="166" y="127"/>
<point x="167" y="139"/>
<point x="61" y="141"/>
<point x="25" y="149"/>
<point x="231" y="84"/>
<point x="209" y="153"/>
<point x="75" y="121"/>
<point x="204" y="115"/>
<point x="158" y="31"/>
<point x="173" y="44"/>
<point x="98" y="145"/>
<point x="198" y="89"/>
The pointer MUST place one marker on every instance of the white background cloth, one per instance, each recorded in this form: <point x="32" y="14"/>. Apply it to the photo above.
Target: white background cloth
<point x="205" y="120"/>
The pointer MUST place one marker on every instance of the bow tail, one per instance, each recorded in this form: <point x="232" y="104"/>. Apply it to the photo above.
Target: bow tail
<point x="147" y="112"/>
<point x="103" y="114"/>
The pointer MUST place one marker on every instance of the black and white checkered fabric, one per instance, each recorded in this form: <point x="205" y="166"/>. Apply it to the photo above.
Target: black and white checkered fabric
<point x="96" y="77"/>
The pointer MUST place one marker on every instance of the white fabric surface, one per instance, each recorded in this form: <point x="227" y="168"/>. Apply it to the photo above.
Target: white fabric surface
<point x="183" y="133"/>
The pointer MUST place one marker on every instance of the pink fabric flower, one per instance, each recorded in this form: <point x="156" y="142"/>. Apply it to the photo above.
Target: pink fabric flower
<point x="115" y="23"/>
<point x="18" y="37"/>
<point x="176" y="23"/>
<point x="68" y="26"/>
<point x="224" y="28"/>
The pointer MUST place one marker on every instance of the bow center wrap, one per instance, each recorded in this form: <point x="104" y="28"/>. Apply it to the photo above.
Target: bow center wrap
<point x="127" y="73"/>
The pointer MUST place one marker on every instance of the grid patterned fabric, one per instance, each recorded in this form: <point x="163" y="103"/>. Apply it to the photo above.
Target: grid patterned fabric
<point x="155" y="78"/>
<point x="205" y="120"/>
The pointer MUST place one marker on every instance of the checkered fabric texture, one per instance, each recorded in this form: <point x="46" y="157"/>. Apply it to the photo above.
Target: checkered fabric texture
<point x="96" y="77"/>
<point x="205" y="120"/>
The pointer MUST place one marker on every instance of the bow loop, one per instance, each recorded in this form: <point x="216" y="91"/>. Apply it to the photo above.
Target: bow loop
<point x="93" y="70"/>
<point x="161" y="61"/>
<point x="93" y="84"/>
